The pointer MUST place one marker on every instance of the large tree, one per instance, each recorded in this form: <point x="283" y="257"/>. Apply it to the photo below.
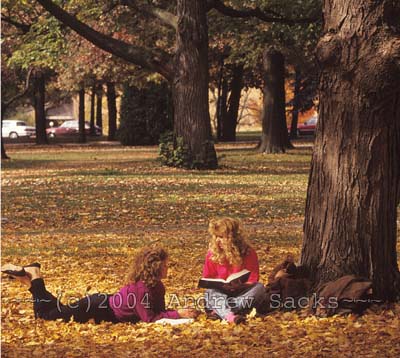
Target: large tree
<point x="352" y="198"/>
<point x="187" y="69"/>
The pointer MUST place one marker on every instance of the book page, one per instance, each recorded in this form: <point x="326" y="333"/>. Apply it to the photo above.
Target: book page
<point x="237" y="275"/>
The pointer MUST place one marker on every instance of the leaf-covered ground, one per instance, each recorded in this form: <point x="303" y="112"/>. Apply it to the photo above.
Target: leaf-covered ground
<point x="83" y="211"/>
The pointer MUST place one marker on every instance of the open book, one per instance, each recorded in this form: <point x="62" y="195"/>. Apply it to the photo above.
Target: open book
<point x="218" y="283"/>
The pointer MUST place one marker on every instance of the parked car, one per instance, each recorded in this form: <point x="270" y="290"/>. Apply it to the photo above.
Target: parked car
<point x="14" y="129"/>
<point x="70" y="128"/>
<point x="308" y="127"/>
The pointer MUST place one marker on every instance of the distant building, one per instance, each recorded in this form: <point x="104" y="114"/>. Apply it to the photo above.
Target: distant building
<point x="60" y="113"/>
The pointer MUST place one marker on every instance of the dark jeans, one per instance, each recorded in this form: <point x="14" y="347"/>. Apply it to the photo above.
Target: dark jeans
<point x="48" y="307"/>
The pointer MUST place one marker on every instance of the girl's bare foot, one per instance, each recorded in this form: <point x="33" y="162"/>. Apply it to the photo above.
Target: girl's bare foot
<point x="33" y="272"/>
<point x="22" y="274"/>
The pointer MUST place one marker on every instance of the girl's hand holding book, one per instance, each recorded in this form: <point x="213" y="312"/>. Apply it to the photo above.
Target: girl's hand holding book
<point x="235" y="287"/>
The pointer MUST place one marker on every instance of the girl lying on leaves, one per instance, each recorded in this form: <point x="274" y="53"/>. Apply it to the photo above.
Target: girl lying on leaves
<point x="142" y="299"/>
<point x="228" y="253"/>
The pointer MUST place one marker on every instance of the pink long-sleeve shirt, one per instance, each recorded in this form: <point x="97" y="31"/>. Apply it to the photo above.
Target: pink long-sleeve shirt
<point x="212" y="269"/>
<point x="137" y="302"/>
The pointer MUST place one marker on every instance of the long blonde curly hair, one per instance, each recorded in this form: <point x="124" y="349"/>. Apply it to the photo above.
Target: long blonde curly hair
<point x="147" y="266"/>
<point x="234" y="248"/>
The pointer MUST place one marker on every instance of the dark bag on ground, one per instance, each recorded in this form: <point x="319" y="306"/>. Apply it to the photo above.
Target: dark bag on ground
<point x="287" y="288"/>
<point x="348" y="294"/>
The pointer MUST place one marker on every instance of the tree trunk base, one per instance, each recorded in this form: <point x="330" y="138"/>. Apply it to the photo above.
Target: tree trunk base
<point x="272" y="146"/>
<point x="271" y="149"/>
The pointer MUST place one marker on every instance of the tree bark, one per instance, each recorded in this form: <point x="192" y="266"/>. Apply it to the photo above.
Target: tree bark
<point x="3" y="149"/>
<point x="295" y="110"/>
<point x="82" y="132"/>
<point x="222" y="109"/>
<point x="350" y="218"/>
<point x="112" y="111"/>
<point x="274" y="137"/>
<point x="190" y="85"/>
<point x="39" y="106"/>
<point x="220" y="94"/>
<point x="92" y="107"/>
<point x="99" y="105"/>
<point x="231" y="119"/>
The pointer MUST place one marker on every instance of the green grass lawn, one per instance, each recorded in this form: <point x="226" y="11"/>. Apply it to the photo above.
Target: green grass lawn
<point x="82" y="211"/>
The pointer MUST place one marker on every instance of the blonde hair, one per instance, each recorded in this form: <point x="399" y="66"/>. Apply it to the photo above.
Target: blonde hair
<point x="235" y="247"/>
<point x="147" y="266"/>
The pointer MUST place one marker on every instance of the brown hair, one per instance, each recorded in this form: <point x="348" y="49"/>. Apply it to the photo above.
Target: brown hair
<point x="236" y="246"/>
<point x="147" y="265"/>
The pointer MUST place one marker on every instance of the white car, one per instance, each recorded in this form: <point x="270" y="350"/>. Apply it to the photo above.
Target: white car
<point x="14" y="129"/>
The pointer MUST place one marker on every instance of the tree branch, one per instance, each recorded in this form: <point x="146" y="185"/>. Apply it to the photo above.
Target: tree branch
<point x="6" y="104"/>
<point x="264" y="15"/>
<point x="164" y="16"/>
<point x="157" y="61"/>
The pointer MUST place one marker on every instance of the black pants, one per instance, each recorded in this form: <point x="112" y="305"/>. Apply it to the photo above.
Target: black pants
<point x="48" y="307"/>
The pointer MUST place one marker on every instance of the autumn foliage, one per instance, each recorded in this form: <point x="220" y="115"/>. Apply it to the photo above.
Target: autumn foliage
<point x="82" y="212"/>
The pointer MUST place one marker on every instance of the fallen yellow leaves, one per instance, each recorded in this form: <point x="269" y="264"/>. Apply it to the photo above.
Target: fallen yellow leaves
<point x="83" y="221"/>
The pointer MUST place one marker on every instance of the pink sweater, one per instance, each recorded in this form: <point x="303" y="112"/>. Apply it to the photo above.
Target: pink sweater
<point x="214" y="270"/>
<point x="137" y="302"/>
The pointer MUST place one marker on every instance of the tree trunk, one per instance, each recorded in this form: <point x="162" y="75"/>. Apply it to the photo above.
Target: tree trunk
<point x="219" y="96"/>
<point x="190" y="84"/>
<point x="112" y="111"/>
<point x="99" y="106"/>
<point x="295" y="110"/>
<point x="274" y="137"/>
<point x="92" y="107"/>
<point x="222" y="109"/>
<point x="3" y="149"/>
<point x="236" y="86"/>
<point x="39" y="106"/>
<point x="82" y="132"/>
<point x="350" y="218"/>
<point x="3" y="152"/>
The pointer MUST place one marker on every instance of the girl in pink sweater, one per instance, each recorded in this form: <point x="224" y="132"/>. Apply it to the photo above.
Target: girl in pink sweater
<point x="141" y="299"/>
<point x="229" y="252"/>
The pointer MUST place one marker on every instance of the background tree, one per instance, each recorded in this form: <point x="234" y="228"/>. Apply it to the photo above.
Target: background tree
<point x="12" y="81"/>
<point x="112" y="110"/>
<point x="81" y="115"/>
<point x="186" y="70"/>
<point x="290" y="28"/>
<point x="351" y="210"/>
<point x="36" y="42"/>
<point x="99" y="105"/>
<point x="274" y="137"/>
<point x="92" y="109"/>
